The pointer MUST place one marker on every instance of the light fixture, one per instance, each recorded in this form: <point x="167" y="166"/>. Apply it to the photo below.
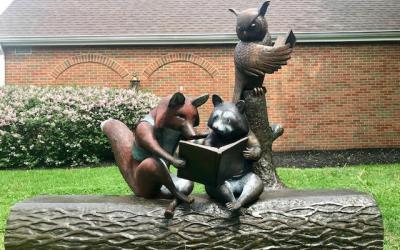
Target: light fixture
<point x="135" y="80"/>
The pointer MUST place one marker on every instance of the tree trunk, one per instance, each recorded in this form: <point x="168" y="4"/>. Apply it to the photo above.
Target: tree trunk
<point x="281" y="219"/>
<point x="257" y="116"/>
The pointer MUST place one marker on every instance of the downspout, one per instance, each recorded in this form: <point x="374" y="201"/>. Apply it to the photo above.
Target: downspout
<point x="2" y="68"/>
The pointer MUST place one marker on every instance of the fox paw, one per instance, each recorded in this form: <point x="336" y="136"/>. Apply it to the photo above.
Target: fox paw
<point x="168" y="214"/>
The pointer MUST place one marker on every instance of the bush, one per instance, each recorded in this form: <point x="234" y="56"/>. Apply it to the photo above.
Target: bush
<point x="54" y="127"/>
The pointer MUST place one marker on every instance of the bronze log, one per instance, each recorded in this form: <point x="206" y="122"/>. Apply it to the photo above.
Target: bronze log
<point x="281" y="219"/>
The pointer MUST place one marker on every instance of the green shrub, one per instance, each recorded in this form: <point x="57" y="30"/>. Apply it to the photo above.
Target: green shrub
<point x="54" y="127"/>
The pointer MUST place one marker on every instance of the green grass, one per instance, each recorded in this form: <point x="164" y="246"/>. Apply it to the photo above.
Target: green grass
<point x="382" y="181"/>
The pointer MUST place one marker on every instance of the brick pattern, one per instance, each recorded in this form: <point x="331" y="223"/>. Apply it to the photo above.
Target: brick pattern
<point x="180" y="57"/>
<point x="91" y="74"/>
<point x="330" y="96"/>
<point x="89" y="58"/>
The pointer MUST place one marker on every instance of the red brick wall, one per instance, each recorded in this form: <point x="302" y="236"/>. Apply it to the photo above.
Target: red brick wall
<point x="330" y="96"/>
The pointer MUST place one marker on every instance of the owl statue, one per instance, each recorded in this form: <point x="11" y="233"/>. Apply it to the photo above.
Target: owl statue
<point x="254" y="54"/>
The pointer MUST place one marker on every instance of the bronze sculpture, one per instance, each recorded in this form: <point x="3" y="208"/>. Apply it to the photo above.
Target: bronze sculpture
<point x="156" y="136"/>
<point x="228" y="124"/>
<point x="254" y="57"/>
<point x="254" y="54"/>
<point x="144" y="157"/>
<point x="281" y="219"/>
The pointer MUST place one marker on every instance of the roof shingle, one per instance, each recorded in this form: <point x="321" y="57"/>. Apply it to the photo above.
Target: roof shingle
<point x="54" y="18"/>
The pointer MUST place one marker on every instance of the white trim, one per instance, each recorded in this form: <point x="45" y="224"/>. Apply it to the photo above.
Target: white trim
<point x="2" y="68"/>
<point x="180" y="39"/>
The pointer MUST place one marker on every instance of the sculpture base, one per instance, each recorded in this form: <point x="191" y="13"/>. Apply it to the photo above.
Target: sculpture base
<point x="282" y="219"/>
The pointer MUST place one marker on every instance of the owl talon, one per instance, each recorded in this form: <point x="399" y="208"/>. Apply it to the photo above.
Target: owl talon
<point x="256" y="91"/>
<point x="259" y="91"/>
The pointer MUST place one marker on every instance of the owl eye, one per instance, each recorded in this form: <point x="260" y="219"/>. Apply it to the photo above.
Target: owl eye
<point x="252" y="26"/>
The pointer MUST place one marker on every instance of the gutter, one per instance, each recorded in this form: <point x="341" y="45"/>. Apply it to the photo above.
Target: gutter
<point x="2" y="68"/>
<point x="193" y="39"/>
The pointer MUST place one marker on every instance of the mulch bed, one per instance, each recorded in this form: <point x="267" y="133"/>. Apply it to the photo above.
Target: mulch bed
<point x="337" y="158"/>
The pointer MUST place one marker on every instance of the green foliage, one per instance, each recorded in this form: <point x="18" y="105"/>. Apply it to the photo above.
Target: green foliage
<point x="381" y="181"/>
<point x="53" y="127"/>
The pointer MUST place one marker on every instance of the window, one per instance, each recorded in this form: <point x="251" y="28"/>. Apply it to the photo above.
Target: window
<point x="23" y="50"/>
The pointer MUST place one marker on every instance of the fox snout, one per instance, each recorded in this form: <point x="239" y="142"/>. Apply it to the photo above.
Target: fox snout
<point x="188" y="131"/>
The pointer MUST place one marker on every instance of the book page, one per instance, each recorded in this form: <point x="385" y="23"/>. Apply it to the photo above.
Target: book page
<point x="289" y="38"/>
<point x="233" y="144"/>
<point x="201" y="163"/>
<point x="193" y="144"/>
<point x="232" y="161"/>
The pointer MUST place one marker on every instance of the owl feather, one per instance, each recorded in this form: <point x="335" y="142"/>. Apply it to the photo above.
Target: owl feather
<point x="254" y="54"/>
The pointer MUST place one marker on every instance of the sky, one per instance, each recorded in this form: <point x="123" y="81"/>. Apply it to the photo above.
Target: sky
<point x="4" y="4"/>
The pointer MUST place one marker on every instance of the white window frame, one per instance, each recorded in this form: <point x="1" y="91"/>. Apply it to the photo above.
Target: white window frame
<point x="2" y="68"/>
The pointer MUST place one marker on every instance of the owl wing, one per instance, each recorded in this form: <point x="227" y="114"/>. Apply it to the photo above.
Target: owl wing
<point x="257" y="59"/>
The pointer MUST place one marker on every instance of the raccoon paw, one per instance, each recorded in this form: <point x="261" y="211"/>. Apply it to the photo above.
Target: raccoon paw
<point x="252" y="153"/>
<point x="184" y="198"/>
<point x="243" y="211"/>
<point x="233" y="206"/>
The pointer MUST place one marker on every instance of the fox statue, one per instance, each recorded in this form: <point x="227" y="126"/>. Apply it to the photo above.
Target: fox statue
<point x="144" y="156"/>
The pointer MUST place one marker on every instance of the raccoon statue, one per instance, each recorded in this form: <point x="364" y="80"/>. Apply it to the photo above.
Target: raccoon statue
<point x="228" y="124"/>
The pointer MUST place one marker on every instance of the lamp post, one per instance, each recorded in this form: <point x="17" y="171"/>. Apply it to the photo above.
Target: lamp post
<point x="135" y="81"/>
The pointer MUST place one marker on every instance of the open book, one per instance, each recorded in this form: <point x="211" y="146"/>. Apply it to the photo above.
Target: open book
<point x="209" y="165"/>
<point x="290" y="38"/>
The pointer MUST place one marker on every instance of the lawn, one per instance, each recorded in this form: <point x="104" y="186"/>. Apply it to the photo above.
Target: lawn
<point x="382" y="181"/>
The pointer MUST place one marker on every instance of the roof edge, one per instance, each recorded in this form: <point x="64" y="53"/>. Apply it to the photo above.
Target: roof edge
<point x="193" y="39"/>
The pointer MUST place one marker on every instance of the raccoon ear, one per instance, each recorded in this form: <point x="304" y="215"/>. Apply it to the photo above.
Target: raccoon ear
<point x="234" y="11"/>
<point x="178" y="99"/>
<point x="263" y="9"/>
<point x="216" y="100"/>
<point x="241" y="106"/>
<point x="197" y="102"/>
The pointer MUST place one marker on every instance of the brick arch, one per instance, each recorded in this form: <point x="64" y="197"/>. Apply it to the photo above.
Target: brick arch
<point x="180" y="57"/>
<point x="89" y="58"/>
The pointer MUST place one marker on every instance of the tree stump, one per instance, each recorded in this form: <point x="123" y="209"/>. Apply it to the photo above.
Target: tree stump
<point x="281" y="219"/>
<point x="257" y="116"/>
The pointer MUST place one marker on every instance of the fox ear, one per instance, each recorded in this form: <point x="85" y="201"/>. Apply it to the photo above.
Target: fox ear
<point x="263" y="9"/>
<point x="197" y="102"/>
<point x="177" y="100"/>
<point x="234" y="11"/>
<point x="241" y="106"/>
<point x="216" y="100"/>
